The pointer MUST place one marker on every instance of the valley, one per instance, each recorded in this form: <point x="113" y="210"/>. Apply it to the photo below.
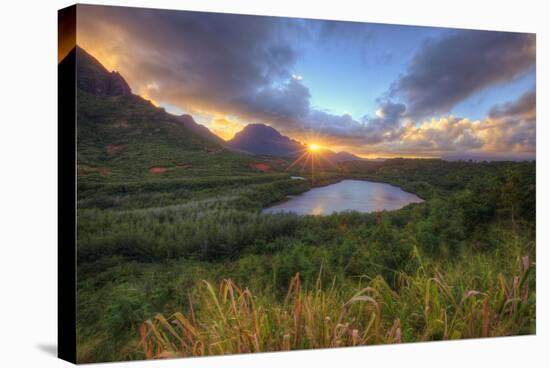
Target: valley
<point x="175" y="257"/>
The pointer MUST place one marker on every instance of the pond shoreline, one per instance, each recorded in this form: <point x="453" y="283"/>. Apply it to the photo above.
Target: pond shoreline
<point x="357" y="194"/>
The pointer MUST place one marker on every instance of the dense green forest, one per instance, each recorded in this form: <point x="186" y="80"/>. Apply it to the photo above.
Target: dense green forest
<point x="458" y="265"/>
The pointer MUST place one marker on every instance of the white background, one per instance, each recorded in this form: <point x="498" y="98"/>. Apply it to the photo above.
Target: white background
<point x="28" y="193"/>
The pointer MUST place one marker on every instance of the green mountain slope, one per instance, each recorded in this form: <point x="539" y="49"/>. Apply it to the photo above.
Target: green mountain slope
<point x="122" y="137"/>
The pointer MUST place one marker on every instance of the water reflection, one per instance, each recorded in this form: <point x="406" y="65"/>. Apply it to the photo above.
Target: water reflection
<point x="347" y="195"/>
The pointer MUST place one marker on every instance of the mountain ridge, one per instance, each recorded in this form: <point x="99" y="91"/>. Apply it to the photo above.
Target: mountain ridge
<point x="121" y="136"/>
<point x="254" y="139"/>
<point x="264" y="140"/>
<point x="94" y="78"/>
<point x="189" y="122"/>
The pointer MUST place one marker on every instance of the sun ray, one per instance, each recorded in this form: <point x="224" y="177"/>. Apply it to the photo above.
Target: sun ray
<point x="297" y="160"/>
<point x="312" y="168"/>
<point x="326" y="159"/>
<point x="305" y="162"/>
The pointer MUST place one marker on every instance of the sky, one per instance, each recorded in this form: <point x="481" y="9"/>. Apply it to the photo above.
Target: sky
<point x="375" y="90"/>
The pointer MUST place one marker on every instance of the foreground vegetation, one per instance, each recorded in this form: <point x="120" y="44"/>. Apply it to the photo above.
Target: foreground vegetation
<point x="175" y="257"/>
<point x="423" y="307"/>
<point x="180" y="267"/>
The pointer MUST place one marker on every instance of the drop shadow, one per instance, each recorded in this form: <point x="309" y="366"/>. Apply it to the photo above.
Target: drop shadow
<point x="50" y="349"/>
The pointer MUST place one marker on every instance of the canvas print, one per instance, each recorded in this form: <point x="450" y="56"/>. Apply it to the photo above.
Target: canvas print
<point x="255" y="184"/>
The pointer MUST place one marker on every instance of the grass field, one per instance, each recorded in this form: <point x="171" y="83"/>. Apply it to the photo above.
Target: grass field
<point x="174" y="255"/>
<point x="188" y="266"/>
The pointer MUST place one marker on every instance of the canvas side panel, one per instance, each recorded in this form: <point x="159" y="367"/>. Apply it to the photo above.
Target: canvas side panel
<point x="66" y="149"/>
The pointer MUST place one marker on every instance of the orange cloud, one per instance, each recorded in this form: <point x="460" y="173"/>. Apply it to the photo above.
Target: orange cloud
<point x="212" y="82"/>
<point x="224" y="127"/>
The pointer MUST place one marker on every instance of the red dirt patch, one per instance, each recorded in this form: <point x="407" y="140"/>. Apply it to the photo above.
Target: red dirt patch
<point x="162" y="169"/>
<point x="262" y="167"/>
<point x="158" y="169"/>
<point x="87" y="170"/>
<point x="121" y="124"/>
<point x="103" y="170"/>
<point x="114" y="148"/>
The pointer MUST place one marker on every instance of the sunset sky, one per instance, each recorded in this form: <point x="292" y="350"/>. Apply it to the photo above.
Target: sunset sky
<point x="371" y="89"/>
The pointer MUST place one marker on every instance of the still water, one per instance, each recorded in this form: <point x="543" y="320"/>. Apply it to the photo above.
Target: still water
<point x="347" y="195"/>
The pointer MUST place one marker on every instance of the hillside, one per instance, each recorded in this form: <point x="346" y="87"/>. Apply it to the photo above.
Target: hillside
<point x="264" y="140"/>
<point x="345" y="156"/>
<point x="190" y="123"/>
<point x="161" y="206"/>
<point x="261" y="139"/>
<point x="122" y="136"/>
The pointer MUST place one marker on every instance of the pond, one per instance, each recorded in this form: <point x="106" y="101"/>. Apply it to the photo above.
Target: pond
<point x="346" y="195"/>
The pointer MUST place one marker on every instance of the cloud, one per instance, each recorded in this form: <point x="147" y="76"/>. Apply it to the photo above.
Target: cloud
<point x="385" y="126"/>
<point x="225" y="127"/>
<point x="509" y="128"/>
<point x="445" y="71"/>
<point x="512" y="126"/>
<point x="441" y="135"/>
<point x="199" y="61"/>
<point x="387" y="123"/>
<point x="524" y="107"/>
<point x="243" y="67"/>
<point x="218" y="64"/>
<point x="284" y="103"/>
<point x="208" y="63"/>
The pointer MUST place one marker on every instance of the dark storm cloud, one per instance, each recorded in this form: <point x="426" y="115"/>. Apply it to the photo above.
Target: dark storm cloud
<point x="386" y="125"/>
<point x="209" y="62"/>
<point x="289" y="101"/>
<point x="525" y="107"/>
<point x="206" y="60"/>
<point x="388" y="114"/>
<point x="243" y="67"/>
<point x="370" y="130"/>
<point x="446" y="71"/>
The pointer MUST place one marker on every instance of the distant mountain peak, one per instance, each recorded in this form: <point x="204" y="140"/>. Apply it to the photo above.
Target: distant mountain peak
<point x="345" y="156"/>
<point x="263" y="130"/>
<point x="261" y="139"/>
<point x="94" y="78"/>
<point x="256" y="139"/>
